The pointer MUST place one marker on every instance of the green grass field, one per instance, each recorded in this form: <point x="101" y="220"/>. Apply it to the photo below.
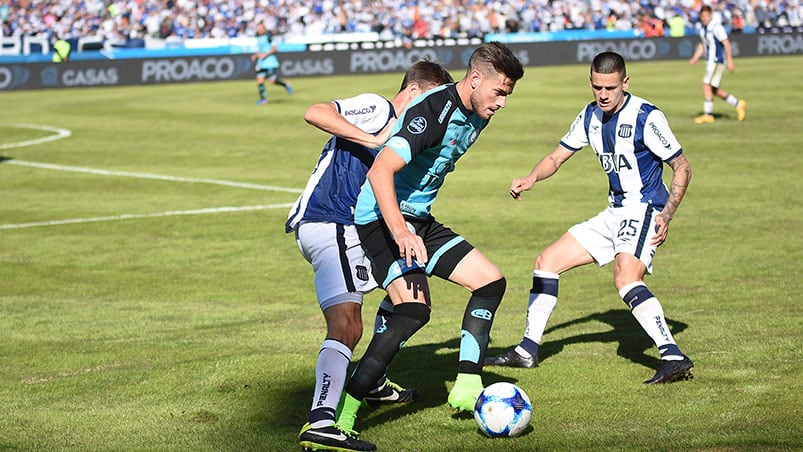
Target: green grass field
<point x="150" y="299"/>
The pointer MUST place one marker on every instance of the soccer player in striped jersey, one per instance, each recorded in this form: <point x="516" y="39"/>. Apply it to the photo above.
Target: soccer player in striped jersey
<point x="716" y="47"/>
<point x="323" y="222"/>
<point x="404" y="241"/>
<point x="632" y="141"/>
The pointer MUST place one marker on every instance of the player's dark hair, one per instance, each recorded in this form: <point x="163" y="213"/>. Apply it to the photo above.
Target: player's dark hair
<point x="706" y="9"/>
<point x="498" y="56"/>
<point x="609" y="63"/>
<point x="426" y="73"/>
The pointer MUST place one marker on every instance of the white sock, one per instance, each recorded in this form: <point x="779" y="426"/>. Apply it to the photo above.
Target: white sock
<point x="708" y="106"/>
<point x="731" y="99"/>
<point x="540" y="307"/>
<point x="330" y="378"/>
<point x="650" y="315"/>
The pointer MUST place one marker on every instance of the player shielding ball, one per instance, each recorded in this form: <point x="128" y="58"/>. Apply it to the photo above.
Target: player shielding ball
<point x="404" y="241"/>
<point x="322" y="220"/>
<point x="632" y="141"/>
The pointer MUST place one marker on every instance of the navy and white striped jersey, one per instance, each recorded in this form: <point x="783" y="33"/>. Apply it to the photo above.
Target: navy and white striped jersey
<point x="631" y="145"/>
<point x="332" y="189"/>
<point x="712" y="37"/>
<point x="431" y="135"/>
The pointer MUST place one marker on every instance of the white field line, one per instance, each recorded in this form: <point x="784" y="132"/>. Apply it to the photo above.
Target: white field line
<point x="169" y="213"/>
<point x="102" y="172"/>
<point x="59" y="133"/>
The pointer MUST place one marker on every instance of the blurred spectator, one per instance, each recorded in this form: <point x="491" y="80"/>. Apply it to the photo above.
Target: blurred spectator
<point x="737" y="21"/>
<point x="651" y="26"/>
<point x="61" y="51"/>
<point x="124" y="21"/>
<point x="677" y="23"/>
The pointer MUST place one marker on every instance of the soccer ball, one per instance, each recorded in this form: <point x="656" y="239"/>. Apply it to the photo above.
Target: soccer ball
<point x="503" y="409"/>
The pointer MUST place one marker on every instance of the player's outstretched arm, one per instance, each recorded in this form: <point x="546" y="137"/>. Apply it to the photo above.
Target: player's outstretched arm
<point x="548" y="166"/>
<point x="681" y="176"/>
<point x="324" y="115"/>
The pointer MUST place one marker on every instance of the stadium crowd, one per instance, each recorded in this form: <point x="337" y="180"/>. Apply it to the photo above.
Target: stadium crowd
<point x="124" y="21"/>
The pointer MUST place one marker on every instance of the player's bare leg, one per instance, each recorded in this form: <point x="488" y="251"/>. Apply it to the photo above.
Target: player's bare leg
<point x="562" y="255"/>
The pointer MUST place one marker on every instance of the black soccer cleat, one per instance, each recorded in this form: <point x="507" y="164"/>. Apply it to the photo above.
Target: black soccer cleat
<point x="670" y="371"/>
<point x="390" y="392"/>
<point x="332" y="438"/>
<point x="511" y="358"/>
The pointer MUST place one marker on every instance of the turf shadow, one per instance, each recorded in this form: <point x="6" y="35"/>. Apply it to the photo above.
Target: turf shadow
<point x="624" y="330"/>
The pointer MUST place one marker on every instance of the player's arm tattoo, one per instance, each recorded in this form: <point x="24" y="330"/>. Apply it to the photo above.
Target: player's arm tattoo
<point x="555" y="163"/>
<point x="681" y="175"/>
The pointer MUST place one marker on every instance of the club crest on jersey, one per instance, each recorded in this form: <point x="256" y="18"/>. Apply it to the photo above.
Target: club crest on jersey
<point x="417" y="125"/>
<point x="362" y="272"/>
<point x="625" y="131"/>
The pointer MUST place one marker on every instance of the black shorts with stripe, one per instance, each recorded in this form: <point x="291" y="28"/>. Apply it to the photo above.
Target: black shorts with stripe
<point x="445" y="249"/>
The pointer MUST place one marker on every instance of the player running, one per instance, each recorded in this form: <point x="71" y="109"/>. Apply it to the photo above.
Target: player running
<point x="716" y="46"/>
<point x="267" y="64"/>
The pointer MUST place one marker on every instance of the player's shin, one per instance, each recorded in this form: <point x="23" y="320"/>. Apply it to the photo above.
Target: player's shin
<point x="477" y="321"/>
<point x="406" y="320"/>
<point x="543" y="299"/>
<point x="650" y="315"/>
<point x="330" y="377"/>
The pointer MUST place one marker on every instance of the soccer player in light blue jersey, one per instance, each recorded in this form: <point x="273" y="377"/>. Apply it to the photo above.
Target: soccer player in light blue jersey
<point x="323" y="222"/>
<point x="404" y="241"/>
<point x="632" y="140"/>
<point x="267" y="64"/>
<point x="716" y="47"/>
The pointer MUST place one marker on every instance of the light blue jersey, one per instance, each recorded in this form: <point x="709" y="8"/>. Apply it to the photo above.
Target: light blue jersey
<point x="265" y="44"/>
<point x="431" y="135"/>
<point x="631" y="145"/>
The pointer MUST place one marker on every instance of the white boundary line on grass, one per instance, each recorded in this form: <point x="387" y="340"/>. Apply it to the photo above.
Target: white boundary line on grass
<point x="58" y="134"/>
<point x="102" y="172"/>
<point x="64" y="133"/>
<point x="169" y="213"/>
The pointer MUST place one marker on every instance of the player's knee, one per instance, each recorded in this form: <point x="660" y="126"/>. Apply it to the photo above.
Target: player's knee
<point x="346" y="330"/>
<point x="349" y="337"/>
<point x="416" y="313"/>
<point x="493" y="289"/>
<point x="545" y="262"/>
<point x="622" y="280"/>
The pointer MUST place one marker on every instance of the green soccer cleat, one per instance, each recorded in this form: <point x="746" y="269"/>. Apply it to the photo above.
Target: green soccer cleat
<point x="466" y="389"/>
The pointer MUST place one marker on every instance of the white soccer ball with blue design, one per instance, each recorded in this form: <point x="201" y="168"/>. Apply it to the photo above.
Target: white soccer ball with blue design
<point x="503" y="409"/>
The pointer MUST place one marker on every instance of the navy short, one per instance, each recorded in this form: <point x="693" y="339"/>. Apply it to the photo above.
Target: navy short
<point x="445" y="249"/>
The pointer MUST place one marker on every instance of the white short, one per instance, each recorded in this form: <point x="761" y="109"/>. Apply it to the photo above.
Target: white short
<point x="617" y="230"/>
<point x="713" y="73"/>
<point x="342" y="271"/>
